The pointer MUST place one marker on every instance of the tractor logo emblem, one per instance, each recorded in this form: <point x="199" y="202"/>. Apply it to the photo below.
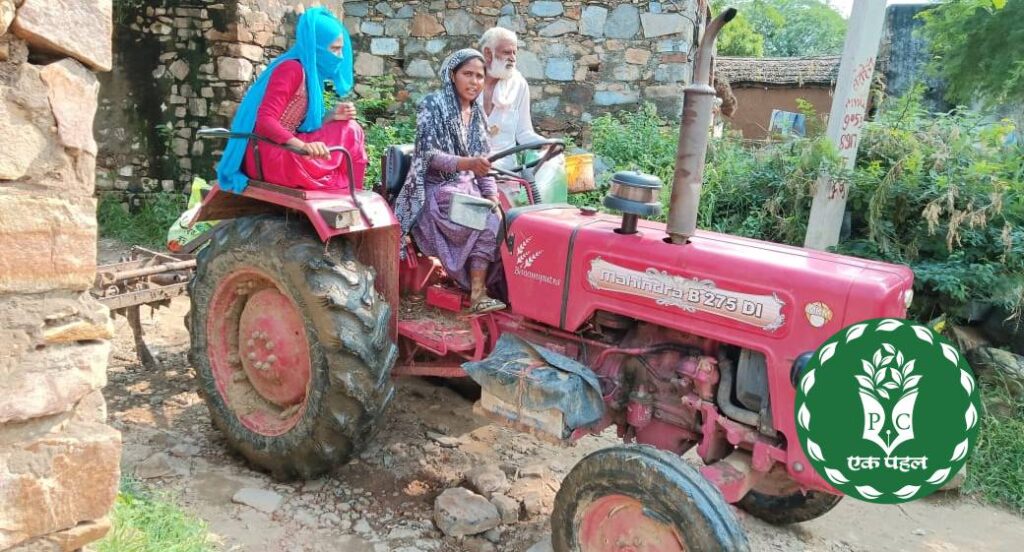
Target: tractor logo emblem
<point x="525" y="258"/>
<point x="918" y="405"/>
<point x="818" y="314"/>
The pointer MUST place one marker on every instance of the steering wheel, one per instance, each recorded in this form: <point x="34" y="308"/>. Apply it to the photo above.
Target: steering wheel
<point x="557" y="147"/>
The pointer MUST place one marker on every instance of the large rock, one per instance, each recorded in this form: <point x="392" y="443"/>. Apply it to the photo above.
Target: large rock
<point x="559" y="28"/>
<point x="261" y="499"/>
<point x="546" y="8"/>
<point x="6" y="15"/>
<point x="421" y="69"/>
<point x="56" y="481"/>
<point x="79" y="28"/>
<point x="54" y="248"/>
<point x="662" y="24"/>
<point x="623" y="22"/>
<point x="68" y="540"/>
<point x="593" y="20"/>
<point x="529" y="65"/>
<point x="369" y="65"/>
<point x="51" y="380"/>
<point x="459" y="512"/>
<point x="25" y="120"/>
<point x="234" y="69"/>
<point x="488" y="479"/>
<point x="73" y="93"/>
<point x="425" y="25"/>
<point x="461" y="22"/>
<point x="559" y="69"/>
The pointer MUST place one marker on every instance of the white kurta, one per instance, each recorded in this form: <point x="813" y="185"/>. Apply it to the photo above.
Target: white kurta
<point x="510" y="122"/>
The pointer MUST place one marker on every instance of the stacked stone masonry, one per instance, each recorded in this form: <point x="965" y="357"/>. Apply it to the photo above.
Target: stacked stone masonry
<point x="59" y="461"/>
<point x="183" y="65"/>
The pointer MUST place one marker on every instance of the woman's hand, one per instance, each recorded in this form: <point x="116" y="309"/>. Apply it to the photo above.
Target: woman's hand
<point x="344" y="112"/>
<point x="479" y="165"/>
<point x="316" y="150"/>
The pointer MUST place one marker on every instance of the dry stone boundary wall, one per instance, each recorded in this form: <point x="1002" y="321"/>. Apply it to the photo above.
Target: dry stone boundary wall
<point x="59" y="461"/>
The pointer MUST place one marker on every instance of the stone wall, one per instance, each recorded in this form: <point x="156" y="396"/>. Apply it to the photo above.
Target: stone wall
<point x="59" y="461"/>
<point x="582" y="59"/>
<point x="180" y="65"/>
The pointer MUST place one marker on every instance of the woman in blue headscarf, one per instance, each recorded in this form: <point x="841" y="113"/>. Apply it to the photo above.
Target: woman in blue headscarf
<point x="286" y="106"/>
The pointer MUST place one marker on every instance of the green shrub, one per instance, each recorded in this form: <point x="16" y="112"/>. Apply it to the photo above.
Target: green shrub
<point x="146" y="226"/>
<point x="146" y="522"/>
<point x="942" y="193"/>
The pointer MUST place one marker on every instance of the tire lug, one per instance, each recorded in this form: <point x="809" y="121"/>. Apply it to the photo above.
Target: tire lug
<point x="288" y="412"/>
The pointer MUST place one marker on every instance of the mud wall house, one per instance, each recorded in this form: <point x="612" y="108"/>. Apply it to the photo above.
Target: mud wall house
<point x="185" y="64"/>
<point x="761" y="85"/>
<point x="59" y="460"/>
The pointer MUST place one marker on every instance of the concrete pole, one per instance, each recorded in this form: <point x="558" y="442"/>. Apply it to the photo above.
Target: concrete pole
<point x="849" y="104"/>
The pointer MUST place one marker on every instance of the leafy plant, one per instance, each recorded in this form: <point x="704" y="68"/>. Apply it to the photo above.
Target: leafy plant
<point x="978" y="49"/>
<point x="146" y="226"/>
<point x="143" y="521"/>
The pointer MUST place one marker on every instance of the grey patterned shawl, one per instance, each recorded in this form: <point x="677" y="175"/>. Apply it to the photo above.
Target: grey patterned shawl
<point x="439" y="129"/>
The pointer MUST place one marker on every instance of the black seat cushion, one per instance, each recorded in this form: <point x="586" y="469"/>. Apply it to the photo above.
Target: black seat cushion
<point x="397" y="161"/>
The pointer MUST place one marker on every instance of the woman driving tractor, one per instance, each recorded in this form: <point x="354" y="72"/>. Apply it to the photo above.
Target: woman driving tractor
<point x="451" y="158"/>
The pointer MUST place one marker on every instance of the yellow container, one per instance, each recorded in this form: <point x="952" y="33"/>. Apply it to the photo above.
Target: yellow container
<point x="579" y="172"/>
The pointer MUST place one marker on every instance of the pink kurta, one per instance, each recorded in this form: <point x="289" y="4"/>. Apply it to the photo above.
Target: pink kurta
<point x="279" y="116"/>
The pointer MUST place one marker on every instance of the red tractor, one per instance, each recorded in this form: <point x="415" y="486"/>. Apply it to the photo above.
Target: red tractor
<point x="303" y="313"/>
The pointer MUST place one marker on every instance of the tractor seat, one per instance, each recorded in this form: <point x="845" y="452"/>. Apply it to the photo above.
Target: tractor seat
<point x="397" y="161"/>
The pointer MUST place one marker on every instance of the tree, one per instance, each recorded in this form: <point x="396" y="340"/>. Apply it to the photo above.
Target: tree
<point x="788" y="28"/>
<point x="739" y="38"/>
<point x="978" y="48"/>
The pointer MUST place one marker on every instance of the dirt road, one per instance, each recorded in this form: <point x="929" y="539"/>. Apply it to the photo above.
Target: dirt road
<point x="384" y="501"/>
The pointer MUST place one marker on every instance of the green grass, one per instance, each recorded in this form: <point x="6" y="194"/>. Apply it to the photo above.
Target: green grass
<point x="994" y="469"/>
<point x="146" y="522"/>
<point x="147" y="226"/>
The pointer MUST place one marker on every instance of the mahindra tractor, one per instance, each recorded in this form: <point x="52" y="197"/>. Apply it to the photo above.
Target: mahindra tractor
<point x="304" y="312"/>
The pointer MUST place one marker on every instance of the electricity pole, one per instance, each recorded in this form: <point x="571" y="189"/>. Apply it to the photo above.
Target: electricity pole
<point x="849" y="105"/>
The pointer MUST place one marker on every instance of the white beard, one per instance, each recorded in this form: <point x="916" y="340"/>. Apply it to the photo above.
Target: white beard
<point x="500" y="69"/>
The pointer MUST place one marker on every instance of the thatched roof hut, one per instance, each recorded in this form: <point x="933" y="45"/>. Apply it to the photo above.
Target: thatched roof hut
<point x="788" y="72"/>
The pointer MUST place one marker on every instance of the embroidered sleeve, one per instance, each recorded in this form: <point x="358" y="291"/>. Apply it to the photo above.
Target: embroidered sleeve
<point x="285" y="80"/>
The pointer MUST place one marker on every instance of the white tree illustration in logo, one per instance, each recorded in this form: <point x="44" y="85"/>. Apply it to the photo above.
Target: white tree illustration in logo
<point x="888" y="377"/>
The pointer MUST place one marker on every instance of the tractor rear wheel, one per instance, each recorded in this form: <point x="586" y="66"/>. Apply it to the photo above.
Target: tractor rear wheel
<point x="291" y="345"/>
<point x="639" y="498"/>
<point x="797" y="507"/>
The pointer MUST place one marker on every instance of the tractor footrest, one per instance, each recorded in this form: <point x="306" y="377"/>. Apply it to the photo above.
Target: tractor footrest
<point x="439" y="337"/>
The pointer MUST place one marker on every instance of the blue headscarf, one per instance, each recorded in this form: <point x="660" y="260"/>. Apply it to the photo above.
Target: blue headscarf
<point x="316" y="30"/>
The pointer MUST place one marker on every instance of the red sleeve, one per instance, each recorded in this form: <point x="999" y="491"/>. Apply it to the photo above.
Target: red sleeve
<point x="284" y="81"/>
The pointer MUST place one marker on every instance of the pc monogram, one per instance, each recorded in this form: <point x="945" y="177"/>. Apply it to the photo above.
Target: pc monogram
<point x="887" y="411"/>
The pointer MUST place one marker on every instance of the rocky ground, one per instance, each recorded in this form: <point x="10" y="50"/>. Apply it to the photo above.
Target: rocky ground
<point x="427" y="470"/>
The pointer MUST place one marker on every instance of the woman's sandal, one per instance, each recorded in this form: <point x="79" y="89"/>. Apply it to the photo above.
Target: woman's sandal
<point x="486" y="304"/>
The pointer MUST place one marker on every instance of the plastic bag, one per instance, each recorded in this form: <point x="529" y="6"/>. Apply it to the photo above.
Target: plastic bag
<point x="551" y="180"/>
<point x="180" y="234"/>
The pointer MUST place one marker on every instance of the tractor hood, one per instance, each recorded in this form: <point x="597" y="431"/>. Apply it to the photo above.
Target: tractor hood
<point x="565" y="264"/>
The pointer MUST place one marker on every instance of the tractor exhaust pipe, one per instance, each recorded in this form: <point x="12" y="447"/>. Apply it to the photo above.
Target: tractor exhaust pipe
<point x="698" y="102"/>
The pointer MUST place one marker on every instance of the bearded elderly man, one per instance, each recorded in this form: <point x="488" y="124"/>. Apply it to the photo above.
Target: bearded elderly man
<point x="506" y="97"/>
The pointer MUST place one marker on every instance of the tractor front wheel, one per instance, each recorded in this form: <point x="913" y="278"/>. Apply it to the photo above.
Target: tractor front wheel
<point x="291" y="346"/>
<point x="641" y="499"/>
